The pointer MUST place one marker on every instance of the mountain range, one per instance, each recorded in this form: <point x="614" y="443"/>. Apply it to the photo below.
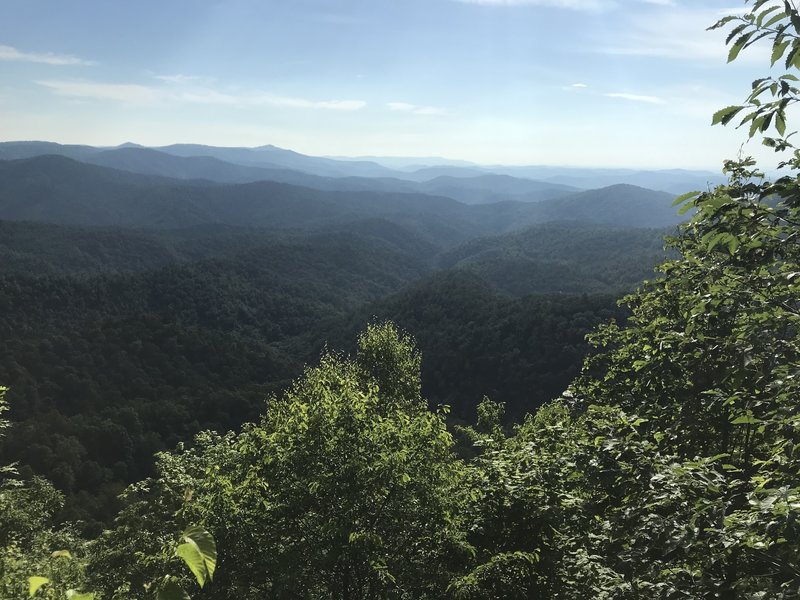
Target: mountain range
<point x="57" y="189"/>
<point x="149" y="293"/>
<point x="241" y="165"/>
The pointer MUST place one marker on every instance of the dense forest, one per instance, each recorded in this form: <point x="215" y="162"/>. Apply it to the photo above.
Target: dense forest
<point x="109" y="360"/>
<point x="120" y="342"/>
<point x="373" y="392"/>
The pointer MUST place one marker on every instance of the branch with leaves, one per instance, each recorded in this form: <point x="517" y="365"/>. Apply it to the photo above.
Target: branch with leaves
<point x="766" y="106"/>
<point x="197" y="549"/>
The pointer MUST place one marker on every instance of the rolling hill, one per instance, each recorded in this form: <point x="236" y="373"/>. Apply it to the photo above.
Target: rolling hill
<point x="59" y="190"/>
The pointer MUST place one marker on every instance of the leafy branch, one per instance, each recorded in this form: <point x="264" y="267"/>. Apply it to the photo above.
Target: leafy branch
<point x="765" y="108"/>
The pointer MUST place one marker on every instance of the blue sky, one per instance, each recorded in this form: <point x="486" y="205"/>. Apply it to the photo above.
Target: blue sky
<point x="557" y="82"/>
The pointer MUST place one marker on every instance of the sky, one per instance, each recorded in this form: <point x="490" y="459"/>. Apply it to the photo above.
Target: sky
<point x="622" y="83"/>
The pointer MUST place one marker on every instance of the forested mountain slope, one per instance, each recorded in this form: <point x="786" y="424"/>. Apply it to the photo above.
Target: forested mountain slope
<point x="41" y="248"/>
<point x="149" y="358"/>
<point x="560" y="257"/>
<point x="620" y="204"/>
<point x="482" y="189"/>
<point x="239" y="165"/>
<point x="143" y="308"/>
<point x="476" y="343"/>
<point x="150" y="335"/>
<point x="60" y="190"/>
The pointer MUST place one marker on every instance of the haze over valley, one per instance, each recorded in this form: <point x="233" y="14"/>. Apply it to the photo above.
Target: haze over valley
<point x="143" y="280"/>
<point x="399" y="300"/>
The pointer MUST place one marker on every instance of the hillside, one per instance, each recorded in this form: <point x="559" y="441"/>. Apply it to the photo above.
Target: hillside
<point x="476" y="343"/>
<point x="561" y="258"/>
<point x="620" y="204"/>
<point x="59" y="190"/>
<point x="146" y="307"/>
<point x="151" y="335"/>
<point x="467" y="183"/>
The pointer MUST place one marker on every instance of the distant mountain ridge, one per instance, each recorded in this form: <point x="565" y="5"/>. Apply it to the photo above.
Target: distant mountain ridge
<point x="147" y="296"/>
<point x="240" y="160"/>
<point x="59" y="190"/>
<point x="130" y="157"/>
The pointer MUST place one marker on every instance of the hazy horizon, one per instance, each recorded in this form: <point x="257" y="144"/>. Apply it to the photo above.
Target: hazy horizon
<point x="399" y="162"/>
<point x="583" y="83"/>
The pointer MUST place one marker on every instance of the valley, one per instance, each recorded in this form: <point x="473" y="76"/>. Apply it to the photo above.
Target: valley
<point x="148" y="294"/>
<point x="452" y="302"/>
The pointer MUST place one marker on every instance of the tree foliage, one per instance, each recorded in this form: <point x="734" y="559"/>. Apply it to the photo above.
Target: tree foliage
<point x="348" y="487"/>
<point x="669" y="469"/>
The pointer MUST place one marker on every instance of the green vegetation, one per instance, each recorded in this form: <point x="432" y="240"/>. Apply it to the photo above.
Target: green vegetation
<point x="562" y="258"/>
<point x="668" y="469"/>
<point x="475" y="343"/>
<point x="112" y="358"/>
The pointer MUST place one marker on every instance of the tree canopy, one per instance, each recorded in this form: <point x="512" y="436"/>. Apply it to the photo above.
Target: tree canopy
<point x="670" y="467"/>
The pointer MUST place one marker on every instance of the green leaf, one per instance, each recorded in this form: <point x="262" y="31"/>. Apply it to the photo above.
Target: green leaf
<point x="760" y="36"/>
<point x="735" y="31"/>
<point x="723" y="21"/>
<point x="190" y="554"/>
<point x="745" y="420"/>
<point x="684" y="197"/>
<point x="774" y="19"/>
<point x="790" y="57"/>
<point x="724" y="115"/>
<point x="199" y="552"/>
<point x="716" y="239"/>
<point x="170" y="589"/>
<point x="756" y="125"/>
<point x="777" y="52"/>
<point x="75" y="595"/>
<point x="795" y="18"/>
<point x="780" y="123"/>
<point x="763" y="15"/>
<point x="61" y="554"/>
<point x="35" y="583"/>
<point x="738" y="45"/>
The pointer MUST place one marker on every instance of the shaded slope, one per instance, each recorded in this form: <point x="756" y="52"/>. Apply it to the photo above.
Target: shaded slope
<point x="624" y="205"/>
<point x="474" y="342"/>
<point x="59" y="190"/>
<point x="564" y="258"/>
<point x="106" y="369"/>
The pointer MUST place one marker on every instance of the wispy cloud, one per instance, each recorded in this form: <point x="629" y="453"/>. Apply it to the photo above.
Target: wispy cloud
<point x="575" y="87"/>
<point x="679" y="33"/>
<point x="303" y="103"/>
<point x="415" y="109"/>
<point x="182" y="79"/>
<point x="208" y="96"/>
<point x="570" y="4"/>
<point x="9" y="53"/>
<point x="130" y="93"/>
<point x="144" y="94"/>
<point x="635" y="97"/>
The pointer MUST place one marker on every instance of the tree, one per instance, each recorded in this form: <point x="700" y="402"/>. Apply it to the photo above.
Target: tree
<point x="710" y="359"/>
<point x="348" y="487"/>
<point x="671" y="470"/>
<point x="28" y="536"/>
